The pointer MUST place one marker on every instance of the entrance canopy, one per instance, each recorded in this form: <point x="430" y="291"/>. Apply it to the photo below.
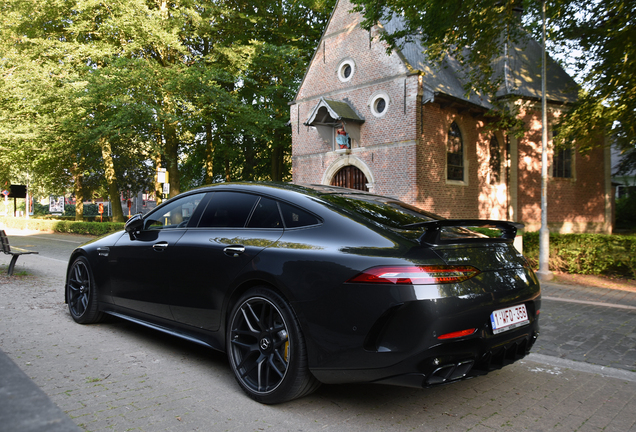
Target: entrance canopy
<point x="332" y="113"/>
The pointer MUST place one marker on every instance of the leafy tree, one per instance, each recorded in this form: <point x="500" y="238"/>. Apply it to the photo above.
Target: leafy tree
<point x="604" y="34"/>
<point x="96" y="96"/>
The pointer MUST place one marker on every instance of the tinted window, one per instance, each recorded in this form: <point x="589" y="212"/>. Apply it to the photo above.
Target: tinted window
<point x="387" y="212"/>
<point x="295" y="217"/>
<point x="396" y="214"/>
<point x="174" y="215"/>
<point x="227" y="209"/>
<point x="266" y="215"/>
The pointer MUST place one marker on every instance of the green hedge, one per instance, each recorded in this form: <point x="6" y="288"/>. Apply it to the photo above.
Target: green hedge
<point x="593" y="254"/>
<point x="64" y="226"/>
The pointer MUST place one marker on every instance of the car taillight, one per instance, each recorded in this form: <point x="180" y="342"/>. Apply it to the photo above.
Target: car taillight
<point x="415" y="275"/>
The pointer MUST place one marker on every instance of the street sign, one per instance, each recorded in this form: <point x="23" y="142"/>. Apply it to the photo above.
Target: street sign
<point x="166" y="188"/>
<point x="5" y="193"/>
<point x="56" y="204"/>
<point x="18" y="191"/>
<point x="162" y="175"/>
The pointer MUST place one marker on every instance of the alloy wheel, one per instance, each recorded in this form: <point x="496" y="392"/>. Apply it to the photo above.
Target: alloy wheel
<point x="259" y="345"/>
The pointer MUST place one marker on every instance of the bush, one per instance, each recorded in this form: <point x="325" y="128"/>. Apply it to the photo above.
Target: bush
<point x="87" y="228"/>
<point x="626" y="212"/>
<point x="89" y="210"/>
<point x="593" y="254"/>
<point x="39" y="209"/>
<point x="64" y="226"/>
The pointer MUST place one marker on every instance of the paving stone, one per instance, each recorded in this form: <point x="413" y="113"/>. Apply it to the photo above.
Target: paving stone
<point x="118" y="376"/>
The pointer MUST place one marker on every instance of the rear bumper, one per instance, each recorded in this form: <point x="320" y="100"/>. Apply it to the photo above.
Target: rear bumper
<point x="446" y="362"/>
<point x="445" y="369"/>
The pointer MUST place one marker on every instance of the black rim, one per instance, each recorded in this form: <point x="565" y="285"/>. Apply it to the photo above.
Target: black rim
<point x="259" y="345"/>
<point x="79" y="289"/>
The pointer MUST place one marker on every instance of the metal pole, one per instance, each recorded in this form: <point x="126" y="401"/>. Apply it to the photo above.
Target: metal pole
<point x="26" y="200"/>
<point x="26" y="203"/>
<point x="544" y="272"/>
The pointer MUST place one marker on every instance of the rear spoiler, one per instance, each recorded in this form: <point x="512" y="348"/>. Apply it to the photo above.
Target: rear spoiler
<point x="432" y="236"/>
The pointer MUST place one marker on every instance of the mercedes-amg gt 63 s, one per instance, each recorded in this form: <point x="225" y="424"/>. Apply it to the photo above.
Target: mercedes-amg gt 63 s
<point x="303" y="285"/>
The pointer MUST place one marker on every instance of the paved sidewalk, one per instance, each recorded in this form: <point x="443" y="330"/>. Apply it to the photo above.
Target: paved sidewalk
<point x="588" y="324"/>
<point x="118" y="376"/>
<point x="24" y="407"/>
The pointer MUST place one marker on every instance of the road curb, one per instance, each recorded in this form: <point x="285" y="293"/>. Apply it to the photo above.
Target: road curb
<point x="604" y="371"/>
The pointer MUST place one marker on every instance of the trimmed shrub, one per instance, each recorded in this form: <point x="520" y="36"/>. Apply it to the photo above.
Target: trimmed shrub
<point x="89" y="210"/>
<point x="64" y="226"/>
<point x="626" y="212"/>
<point x="593" y="254"/>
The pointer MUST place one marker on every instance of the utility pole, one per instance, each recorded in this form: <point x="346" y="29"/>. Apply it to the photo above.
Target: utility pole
<point x="544" y="272"/>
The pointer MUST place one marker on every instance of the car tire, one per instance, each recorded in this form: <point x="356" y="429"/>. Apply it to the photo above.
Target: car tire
<point x="82" y="293"/>
<point x="266" y="348"/>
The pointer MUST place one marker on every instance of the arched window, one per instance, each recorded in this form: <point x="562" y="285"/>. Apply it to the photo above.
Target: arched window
<point x="561" y="160"/>
<point x="455" y="154"/>
<point x="562" y="163"/>
<point x="350" y="177"/>
<point x="495" y="161"/>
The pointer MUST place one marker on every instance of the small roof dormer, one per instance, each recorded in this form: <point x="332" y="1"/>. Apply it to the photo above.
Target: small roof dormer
<point x="333" y="113"/>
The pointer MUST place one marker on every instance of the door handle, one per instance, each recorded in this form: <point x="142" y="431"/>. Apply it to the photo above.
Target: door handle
<point x="234" y="250"/>
<point x="160" y="247"/>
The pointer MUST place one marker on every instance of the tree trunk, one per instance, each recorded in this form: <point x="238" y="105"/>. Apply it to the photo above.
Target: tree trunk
<point x="111" y="180"/>
<point x="228" y="172"/>
<point x="277" y="161"/>
<point x="209" y="154"/>
<point x="79" y="195"/>
<point x="158" y="165"/>
<point x="158" y="188"/>
<point x="248" y="149"/>
<point x="172" y="159"/>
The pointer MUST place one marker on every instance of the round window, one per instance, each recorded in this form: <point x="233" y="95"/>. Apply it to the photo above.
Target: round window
<point x="379" y="103"/>
<point x="346" y="69"/>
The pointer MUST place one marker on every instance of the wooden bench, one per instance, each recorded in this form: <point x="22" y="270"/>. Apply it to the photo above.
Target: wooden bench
<point x="7" y="250"/>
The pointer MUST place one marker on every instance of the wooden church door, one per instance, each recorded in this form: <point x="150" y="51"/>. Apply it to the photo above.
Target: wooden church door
<point x="350" y="177"/>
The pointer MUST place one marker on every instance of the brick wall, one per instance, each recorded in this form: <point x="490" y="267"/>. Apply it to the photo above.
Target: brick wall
<point x="475" y="197"/>
<point x="574" y="204"/>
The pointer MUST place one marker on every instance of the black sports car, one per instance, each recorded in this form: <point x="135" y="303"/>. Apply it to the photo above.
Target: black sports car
<point x="303" y="285"/>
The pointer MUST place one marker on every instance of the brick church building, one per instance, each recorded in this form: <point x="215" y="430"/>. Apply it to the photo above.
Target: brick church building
<point x="394" y="125"/>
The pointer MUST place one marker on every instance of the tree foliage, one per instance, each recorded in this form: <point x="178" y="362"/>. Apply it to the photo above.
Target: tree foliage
<point x="598" y="37"/>
<point x="95" y="96"/>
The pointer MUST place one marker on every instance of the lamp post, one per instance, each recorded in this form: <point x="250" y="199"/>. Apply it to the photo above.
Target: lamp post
<point x="544" y="272"/>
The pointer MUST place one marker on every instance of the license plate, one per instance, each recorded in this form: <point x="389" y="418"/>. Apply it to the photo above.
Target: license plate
<point x="509" y="318"/>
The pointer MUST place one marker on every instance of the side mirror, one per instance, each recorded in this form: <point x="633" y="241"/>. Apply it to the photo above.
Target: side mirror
<point x="134" y="225"/>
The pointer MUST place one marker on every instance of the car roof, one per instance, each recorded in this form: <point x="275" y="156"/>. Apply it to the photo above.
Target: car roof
<point x="281" y="188"/>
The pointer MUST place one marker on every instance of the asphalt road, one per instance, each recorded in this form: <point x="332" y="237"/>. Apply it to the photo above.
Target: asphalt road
<point x="119" y="376"/>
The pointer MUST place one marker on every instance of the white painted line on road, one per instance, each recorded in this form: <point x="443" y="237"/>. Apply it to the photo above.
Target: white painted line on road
<point x="583" y="367"/>
<point x="613" y="305"/>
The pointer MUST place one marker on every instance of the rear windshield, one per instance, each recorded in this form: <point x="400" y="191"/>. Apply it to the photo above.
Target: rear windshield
<point x="398" y="215"/>
<point x="385" y="211"/>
